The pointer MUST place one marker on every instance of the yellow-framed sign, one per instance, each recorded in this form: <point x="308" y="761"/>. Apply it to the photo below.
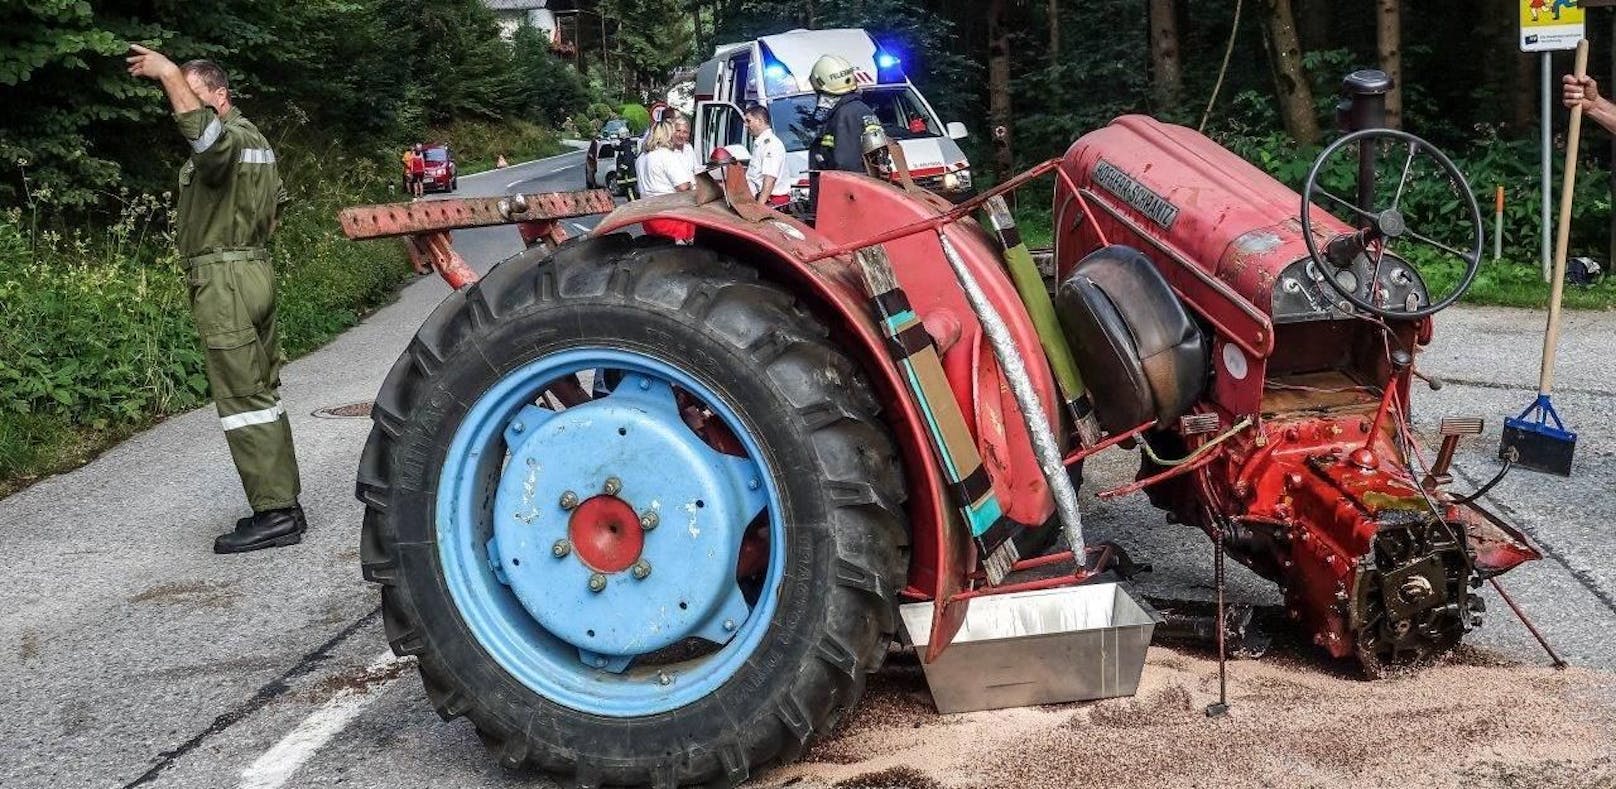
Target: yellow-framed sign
<point x="1548" y="25"/>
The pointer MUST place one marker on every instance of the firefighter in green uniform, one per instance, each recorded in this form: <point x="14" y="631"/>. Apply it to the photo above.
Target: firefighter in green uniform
<point x="230" y="196"/>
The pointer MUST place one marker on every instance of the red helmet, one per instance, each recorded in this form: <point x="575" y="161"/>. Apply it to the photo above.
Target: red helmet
<point x="720" y="156"/>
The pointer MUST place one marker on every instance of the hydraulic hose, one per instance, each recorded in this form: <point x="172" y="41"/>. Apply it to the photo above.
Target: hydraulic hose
<point x="1045" y="446"/>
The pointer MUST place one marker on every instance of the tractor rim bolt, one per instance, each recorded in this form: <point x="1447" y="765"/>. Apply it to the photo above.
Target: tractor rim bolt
<point x="648" y="520"/>
<point x="569" y="500"/>
<point x="662" y="678"/>
<point x="642" y="570"/>
<point x="753" y="484"/>
<point x="560" y="549"/>
<point x="597" y="582"/>
<point x="612" y="486"/>
<point x="518" y="426"/>
<point x="729" y="624"/>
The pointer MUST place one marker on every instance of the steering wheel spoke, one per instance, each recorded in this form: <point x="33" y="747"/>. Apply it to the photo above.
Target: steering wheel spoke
<point x="1402" y="182"/>
<point x="1465" y="256"/>
<point x="1342" y="202"/>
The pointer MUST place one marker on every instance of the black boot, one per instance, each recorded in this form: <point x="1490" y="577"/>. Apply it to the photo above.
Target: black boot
<point x="270" y="529"/>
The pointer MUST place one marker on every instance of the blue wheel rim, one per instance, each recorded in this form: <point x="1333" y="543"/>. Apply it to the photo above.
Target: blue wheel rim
<point x="515" y="629"/>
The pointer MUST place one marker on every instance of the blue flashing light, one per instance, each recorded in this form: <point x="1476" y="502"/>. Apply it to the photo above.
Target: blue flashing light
<point x="884" y="60"/>
<point x="775" y="71"/>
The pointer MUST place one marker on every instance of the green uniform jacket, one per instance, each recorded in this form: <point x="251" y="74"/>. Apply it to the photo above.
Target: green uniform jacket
<point x="230" y="192"/>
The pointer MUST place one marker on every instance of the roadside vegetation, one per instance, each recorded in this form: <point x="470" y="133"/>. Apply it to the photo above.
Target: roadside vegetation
<point x="96" y="340"/>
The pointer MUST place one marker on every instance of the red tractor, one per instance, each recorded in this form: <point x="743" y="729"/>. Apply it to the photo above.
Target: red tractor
<point x="645" y="512"/>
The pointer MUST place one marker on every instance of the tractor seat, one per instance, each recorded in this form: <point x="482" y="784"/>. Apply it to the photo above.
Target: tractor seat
<point x="1141" y="355"/>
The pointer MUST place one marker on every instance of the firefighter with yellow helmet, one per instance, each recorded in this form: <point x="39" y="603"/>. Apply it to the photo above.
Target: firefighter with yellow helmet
<point x="843" y="117"/>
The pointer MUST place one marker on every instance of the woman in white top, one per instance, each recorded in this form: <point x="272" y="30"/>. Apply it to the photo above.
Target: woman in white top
<point x="667" y="171"/>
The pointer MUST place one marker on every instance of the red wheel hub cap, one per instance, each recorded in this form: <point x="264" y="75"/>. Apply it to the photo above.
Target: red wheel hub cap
<point x="606" y="533"/>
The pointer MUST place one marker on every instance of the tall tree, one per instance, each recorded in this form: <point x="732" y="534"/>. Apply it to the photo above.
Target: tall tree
<point x="653" y="38"/>
<point x="1166" y="67"/>
<point x="1313" y="23"/>
<point x="999" y="89"/>
<point x="1053" y="10"/>
<point x="1290" y="79"/>
<point x="1389" y="37"/>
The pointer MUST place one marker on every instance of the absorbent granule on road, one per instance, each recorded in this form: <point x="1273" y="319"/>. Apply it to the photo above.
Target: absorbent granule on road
<point x="1474" y="720"/>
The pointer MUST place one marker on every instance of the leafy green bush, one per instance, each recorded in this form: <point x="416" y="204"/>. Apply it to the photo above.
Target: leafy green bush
<point x="96" y="338"/>
<point x="638" y="117"/>
<point x="478" y="144"/>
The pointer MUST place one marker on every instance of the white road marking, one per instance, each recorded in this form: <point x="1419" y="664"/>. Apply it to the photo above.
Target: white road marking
<point x="277" y="765"/>
<point x="512" y="185"/>
<point x="507" y="170"/>
<point x="578" y="227"/>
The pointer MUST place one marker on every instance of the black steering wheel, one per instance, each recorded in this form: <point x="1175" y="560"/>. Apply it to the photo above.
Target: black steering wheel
<point x="1355" y="265"/>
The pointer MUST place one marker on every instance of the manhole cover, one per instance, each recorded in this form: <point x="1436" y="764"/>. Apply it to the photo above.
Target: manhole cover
<point x="351" y="410"/>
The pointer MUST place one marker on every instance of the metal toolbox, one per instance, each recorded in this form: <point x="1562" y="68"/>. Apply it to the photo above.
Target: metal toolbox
<point x="1041" y="647"/>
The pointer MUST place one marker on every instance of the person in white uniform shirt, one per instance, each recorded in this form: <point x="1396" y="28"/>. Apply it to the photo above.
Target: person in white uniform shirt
<point x="766" y="173"/>
<point x="666" y="171"/>
<point x="681" y="142"/>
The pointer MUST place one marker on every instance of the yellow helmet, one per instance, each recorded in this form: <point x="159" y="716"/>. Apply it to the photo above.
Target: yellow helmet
<point x="833" y="75"/>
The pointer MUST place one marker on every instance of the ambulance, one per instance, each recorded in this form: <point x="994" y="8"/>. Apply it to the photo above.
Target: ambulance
<point x="773" y="71"/>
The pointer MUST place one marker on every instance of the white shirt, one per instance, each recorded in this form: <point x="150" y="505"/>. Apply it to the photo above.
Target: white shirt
<point x="689" y="152"/>
<point x="768" y="158"/>
<point x="665" y="170"/>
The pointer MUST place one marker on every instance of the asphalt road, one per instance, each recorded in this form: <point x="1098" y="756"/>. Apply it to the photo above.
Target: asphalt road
<point x="136" y="657"/>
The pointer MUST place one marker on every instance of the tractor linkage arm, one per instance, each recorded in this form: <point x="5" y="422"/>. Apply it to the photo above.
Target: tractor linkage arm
<point x="427" y="224"/>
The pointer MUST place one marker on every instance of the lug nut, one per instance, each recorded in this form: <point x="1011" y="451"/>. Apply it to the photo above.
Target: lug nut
<point x="648" y="520"/>
<point x="641" y="570"/>
<point x="569" y="500"/>
<point x="597" y="582"/>
<point x="518" y="426"/>
<point x="560" y="549"/>
<point x="612" y="486"/>
<point x="729" y="624"/>
<point x="662" y="678"/>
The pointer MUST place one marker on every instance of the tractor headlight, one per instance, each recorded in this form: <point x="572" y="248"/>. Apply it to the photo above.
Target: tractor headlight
<point x="950" y="182"/>
<point x="964" y="177"/>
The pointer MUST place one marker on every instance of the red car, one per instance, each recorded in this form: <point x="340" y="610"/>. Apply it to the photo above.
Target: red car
<point x="440" y="169"/>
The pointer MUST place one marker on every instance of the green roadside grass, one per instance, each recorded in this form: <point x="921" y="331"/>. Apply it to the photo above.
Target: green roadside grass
<point x="96" y="340"/>
<point x="478" y="145"/>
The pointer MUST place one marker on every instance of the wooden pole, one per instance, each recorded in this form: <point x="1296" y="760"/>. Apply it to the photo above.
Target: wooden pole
<point x="1562" y="239"/>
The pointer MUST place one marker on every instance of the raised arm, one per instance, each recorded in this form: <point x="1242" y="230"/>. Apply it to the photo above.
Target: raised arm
<point x="156" y="66"/>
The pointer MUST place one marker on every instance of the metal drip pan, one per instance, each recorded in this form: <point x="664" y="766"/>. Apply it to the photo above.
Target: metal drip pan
<point x="1043" y="647"/>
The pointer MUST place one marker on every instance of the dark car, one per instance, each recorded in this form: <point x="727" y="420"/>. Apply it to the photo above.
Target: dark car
<point x="604" y="145"/>
<point x="440" y="169"/>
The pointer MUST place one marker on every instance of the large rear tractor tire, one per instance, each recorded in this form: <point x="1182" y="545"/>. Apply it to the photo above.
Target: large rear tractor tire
<point x="635" y="515"/>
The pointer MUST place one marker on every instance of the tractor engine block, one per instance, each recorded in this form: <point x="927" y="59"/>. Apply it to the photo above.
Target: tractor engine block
<point x="1369" y="563"/>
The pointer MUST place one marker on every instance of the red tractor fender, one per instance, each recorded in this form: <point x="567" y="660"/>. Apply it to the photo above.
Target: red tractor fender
<point x="853" y="207"/>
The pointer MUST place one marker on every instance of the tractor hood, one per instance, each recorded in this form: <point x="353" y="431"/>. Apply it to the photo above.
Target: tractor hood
<point x="1199" y="203"/>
